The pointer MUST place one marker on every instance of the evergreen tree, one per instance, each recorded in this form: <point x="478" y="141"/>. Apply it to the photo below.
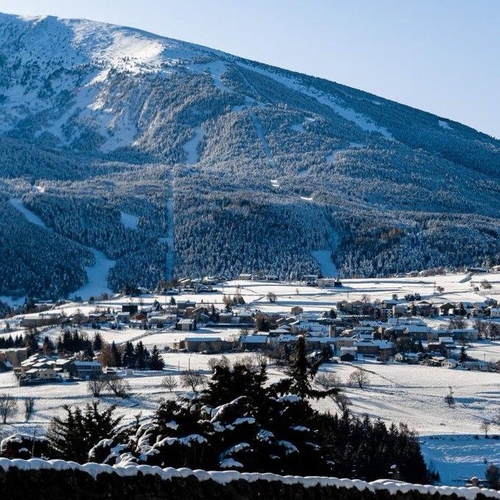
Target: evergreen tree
<point x="155" y="361"/>
<point x="31" y="342"/>
<point x="141" y="356"/>
<point x="97" y="343"/>
<point x="128" y="359"/>
<point x="301" y="372"/>
<point x="117" y="357"/>
<point x="72" y="437"/>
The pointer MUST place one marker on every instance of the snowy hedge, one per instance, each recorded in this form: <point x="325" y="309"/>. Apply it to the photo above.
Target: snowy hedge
<point x="57" y="479"/>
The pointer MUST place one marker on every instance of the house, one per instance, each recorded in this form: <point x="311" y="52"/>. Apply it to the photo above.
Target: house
<point x="347" y="354"/>
<point x="85" y="370"/>
<point x="328" y="282"/>
<point x="45" y="375"/>
<point x="416" y="332"/>
<point x="375" y="348"/>
<point x="130" y="309"/>
<point x="122" y="317"/>
<point x="204" y="344"/>
<point x="254" y="342"/>
<point x="449" y="363"/>
<point x="38" y="320"/>
<point x="412" y="358"/>
<point x="446" y="309"/>
<point x="464" y="334"/>
<point x="186" y="325"/>
<point x="98" y="317"/>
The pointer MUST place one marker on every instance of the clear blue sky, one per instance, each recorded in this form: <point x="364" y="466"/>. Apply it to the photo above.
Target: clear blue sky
<point x="441" y="56"/>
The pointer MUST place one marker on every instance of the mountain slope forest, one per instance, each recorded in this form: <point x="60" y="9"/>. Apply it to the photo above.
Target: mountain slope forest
<point x="174" y="159"/>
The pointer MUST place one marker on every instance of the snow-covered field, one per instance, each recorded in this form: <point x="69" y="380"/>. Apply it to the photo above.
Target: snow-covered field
<point x="453" y="441"/>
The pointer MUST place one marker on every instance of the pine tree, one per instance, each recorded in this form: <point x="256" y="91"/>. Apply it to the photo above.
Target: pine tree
<point x="128" y="359"/>
<point x="301" y="372"/>
<point x="116" y="354"/>
<point x="141" y="356"/>
<point x="72" y="437"/>
<point x="97" y="343"/>
<point x="155" y="361"/>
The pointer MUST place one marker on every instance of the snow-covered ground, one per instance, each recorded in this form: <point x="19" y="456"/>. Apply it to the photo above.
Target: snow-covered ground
<point x="97" y="277"/>
<point x="453" y="440"/>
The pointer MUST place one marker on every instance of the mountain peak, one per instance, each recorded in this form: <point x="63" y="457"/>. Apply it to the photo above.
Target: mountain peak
<point x="226" y="165"/>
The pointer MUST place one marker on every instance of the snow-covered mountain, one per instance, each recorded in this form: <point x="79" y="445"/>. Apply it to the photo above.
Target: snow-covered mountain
<point x="225" y="166"/>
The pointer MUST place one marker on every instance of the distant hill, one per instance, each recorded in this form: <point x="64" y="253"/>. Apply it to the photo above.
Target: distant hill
<point x="225" y="165"/>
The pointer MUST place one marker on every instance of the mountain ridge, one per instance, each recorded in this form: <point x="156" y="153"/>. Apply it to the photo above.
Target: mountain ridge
<point x="255" y="167"/>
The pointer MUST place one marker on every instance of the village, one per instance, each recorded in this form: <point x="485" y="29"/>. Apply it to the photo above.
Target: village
<point x="433" y="321"/>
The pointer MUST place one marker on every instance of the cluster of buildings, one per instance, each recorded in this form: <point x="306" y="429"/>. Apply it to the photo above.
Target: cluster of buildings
<point x="385" y="329"/>
<point x="40" y="368"/>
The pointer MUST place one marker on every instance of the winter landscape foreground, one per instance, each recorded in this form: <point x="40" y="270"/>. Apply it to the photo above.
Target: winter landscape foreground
<point x="453" y="437"/>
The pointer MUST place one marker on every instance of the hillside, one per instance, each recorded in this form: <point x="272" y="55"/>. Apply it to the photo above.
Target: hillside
<point x="172" y="159"/>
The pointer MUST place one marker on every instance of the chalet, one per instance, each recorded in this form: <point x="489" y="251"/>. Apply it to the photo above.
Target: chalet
<point x="477" y="270"/>
<point x="389" y="303"/>
<point x="423" y="308"/>
<point x="446" y="309"/>
<point x="210" y="280"/>
<point x="36" y="376"/>
<point x="182" y="305"/>
<point x="226" y="318"/>
<point x="399" y="310"/>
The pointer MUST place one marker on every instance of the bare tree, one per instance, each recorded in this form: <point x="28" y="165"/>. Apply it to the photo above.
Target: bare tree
<point x="329" y="381"/>
<point x="359" y="378"/>
<point x="29" y="406"/>
<point x="8" y="407"/>
<point x="223" y="361"/>
<point x="95" y="386"/>
<point x="192" y="379"/>
<point x="119" y="386"/>
<point x="169" y="382"/>
<point x="485" y="427"/>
